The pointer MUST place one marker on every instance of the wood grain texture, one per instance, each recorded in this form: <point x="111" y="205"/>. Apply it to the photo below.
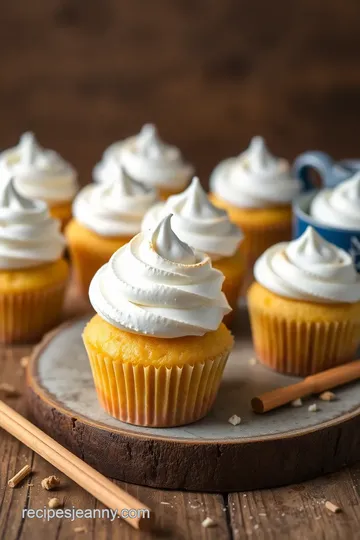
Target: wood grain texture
<point x="300" y="509"/>
<point x="211" y="74"/>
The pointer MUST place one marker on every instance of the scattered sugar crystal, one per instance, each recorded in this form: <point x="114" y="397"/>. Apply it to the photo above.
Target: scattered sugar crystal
<point x="297" y="403"/>
<point x="312" y="407"/>
<point x="234" y="420"/>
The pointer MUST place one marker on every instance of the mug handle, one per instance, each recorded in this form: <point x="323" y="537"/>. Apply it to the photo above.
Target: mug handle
<point x="321" y="162"/>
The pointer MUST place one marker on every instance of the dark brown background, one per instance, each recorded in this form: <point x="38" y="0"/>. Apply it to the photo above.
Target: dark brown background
<point x="210" y="73"/>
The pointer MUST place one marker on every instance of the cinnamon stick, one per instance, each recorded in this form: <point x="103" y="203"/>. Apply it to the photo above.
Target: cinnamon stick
<point x="314" y="384"/>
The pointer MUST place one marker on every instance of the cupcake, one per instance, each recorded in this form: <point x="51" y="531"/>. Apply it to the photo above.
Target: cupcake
<point x="339" y="207"/>
<point x="305" y="306"/>
<point x="33" y="274"/>
<point x="42" y="174"/>
<point x="106" y="216"/>
<point x="157" y="346"/>
<point x="206" y="228"/>
<point x="147" y="159"/>
<point x="256" y="189"/>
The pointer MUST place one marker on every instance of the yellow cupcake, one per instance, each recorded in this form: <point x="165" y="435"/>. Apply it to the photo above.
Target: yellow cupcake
<point x="233" y="269"/>
<point x="42" y="174"/>
<point x="262" y="227"/>
<point x="147" y="159"/>
<point x="205" y="228"/>
<point x="89" y="251"/>
<point x="31" y="301"/>
<point x="33" y="276"/>
<point x="157" y="347"/>
<point x="305" y="306"/>
<point x="106" y="216"/>
<point x="150" y="381"/>
<point x="256" y="190"/>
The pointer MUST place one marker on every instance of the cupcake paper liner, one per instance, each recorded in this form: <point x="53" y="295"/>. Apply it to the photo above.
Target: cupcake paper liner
<point x="299" y="347"/>
<point x="156" y="396"/>
<point x="26" y="316"/>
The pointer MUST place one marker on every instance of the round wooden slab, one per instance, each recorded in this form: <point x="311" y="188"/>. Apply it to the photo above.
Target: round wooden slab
<point x="284" y="446"/>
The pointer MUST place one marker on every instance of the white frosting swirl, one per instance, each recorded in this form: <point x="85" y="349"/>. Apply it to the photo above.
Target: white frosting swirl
<point x="158" y="286"/>
<point x="339" y="207"/>
<point x="40" y="173"/>
<point x="115" y="207"/>
<point x="149" y="160"/>
<point x="28" y="235"/>
<point x="255" y="179"/>
<point x="197" y="222"/>
<point x="309" y="268"/>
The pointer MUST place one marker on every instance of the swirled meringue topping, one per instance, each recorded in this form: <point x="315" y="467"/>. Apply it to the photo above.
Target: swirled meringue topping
<point x="157" y="285"/>
<point x="40" y="173"/>
<point x="28" y="235"/>
<point x="149" y="160"/>
<point x="197" y="222"/>
<point x="255" y="179"/>
<point x="115" y="207"/>
<point x="339" y="207"/>
<point x="309" y="268"/>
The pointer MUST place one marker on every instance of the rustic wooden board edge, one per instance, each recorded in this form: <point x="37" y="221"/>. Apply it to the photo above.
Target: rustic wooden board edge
<point x="255" y="463"/>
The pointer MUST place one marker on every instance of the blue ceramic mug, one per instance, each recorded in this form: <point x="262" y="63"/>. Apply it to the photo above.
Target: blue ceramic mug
<point x="331" y="172"/>
<point x="347" y="239"/>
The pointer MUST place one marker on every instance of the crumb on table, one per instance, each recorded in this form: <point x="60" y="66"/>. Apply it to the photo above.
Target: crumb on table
<point x="54" y="503"/>
<point x="8" y="389"/>
<point x="332" y="507"/>
<point x="327" y="396"/>
<point x="50" y="482"/>
<point x="208" y="522"/>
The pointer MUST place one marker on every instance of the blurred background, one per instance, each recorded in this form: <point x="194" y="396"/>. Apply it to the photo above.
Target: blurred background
<point x="210" y="73"/>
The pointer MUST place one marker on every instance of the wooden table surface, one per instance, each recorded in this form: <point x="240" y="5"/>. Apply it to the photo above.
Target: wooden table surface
<point x="295" y="511"/>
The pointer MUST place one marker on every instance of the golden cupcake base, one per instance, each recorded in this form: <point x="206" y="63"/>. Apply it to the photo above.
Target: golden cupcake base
<point x="31" y="301"/>
<point x="302" y="338"/>
<point x="155" y="382"/>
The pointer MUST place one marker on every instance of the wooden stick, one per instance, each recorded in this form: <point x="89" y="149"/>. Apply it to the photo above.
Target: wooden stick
<point x="15" y="480"/>
<point x="92" y="481"/>
<point x="314" y="384"/>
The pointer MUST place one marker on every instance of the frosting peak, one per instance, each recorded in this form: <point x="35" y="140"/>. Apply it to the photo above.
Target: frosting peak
<point x="149" y="160"/>
<point x="28" y="147"/>
<point x="310" y="249"/>
<point x="149" y="143"/>
<point x="309" y="268"/>
<point x="169" y="246"/>
<point x="340" y="206"/>
<point x="258" y="156"/>
<point x="194" y="202"/>
<point x="28" y="235"/>
<point x="198" y="222"/>
<point x="255" y="178"/>
<point x="156" y="285"/>
<point x="11" y="198"/>
<point x="115" y="207"/>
